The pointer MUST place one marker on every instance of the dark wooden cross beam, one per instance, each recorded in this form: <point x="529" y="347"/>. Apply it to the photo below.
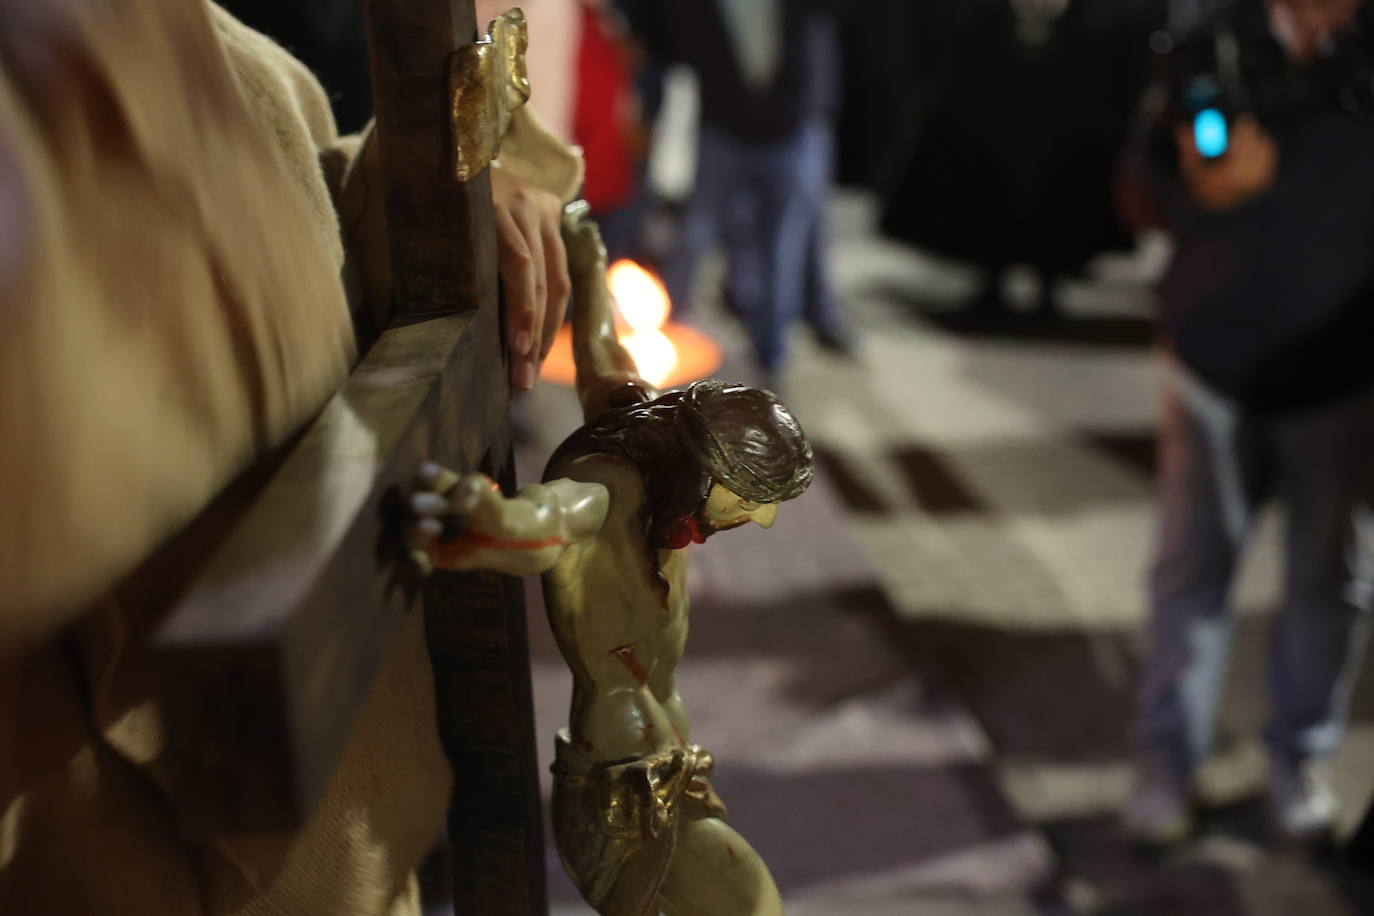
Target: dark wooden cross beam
<point x="271" y="653"/>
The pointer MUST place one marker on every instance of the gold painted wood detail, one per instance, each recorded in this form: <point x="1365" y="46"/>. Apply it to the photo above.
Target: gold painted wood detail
<point x="488" y="82"/>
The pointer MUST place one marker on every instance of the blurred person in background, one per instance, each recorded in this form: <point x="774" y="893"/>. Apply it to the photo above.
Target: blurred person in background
<point x="1257" y="158"/>
<point x="608" y="126"/>
<point x="1005" y="149"/>
<point x="767" y="74"/>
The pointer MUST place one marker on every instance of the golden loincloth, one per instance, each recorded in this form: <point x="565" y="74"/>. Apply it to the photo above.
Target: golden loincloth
<point x="616" y="822"/>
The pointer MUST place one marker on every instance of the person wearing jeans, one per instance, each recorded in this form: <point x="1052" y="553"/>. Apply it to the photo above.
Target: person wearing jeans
<point x="1219" y="463"/>
<point x="766" y="201"/>
<point x="767" y="71"/>
<point x="1268" y="319"/>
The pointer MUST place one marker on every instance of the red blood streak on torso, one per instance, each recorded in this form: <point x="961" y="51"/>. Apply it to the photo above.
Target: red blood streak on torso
<point x="627" y="657"/>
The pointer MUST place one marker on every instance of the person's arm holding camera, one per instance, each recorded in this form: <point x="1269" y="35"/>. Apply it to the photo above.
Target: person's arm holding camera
<point x="1244" y="172"/>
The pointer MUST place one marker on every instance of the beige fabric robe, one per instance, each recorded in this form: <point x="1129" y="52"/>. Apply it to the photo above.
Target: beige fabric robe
<point x="172" y="306"/>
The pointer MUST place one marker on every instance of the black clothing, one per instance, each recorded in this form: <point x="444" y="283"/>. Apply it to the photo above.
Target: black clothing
<point x="1273" y="303"/>
<point x="883" y="68"/>
<point x="1011" y="142"/>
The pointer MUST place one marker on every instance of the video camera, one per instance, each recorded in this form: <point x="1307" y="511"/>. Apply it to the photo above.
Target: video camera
<point x="1233" y="65"/>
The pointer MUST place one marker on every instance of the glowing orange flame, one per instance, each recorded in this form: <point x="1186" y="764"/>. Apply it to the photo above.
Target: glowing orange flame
<point x="665" y="353"/>
<point x="643" y="303"/>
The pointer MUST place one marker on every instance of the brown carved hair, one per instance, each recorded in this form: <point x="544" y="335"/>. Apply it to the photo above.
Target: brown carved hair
<point x="682" y="442"/>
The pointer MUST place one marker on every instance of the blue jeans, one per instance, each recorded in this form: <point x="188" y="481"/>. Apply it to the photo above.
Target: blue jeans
<point x="766" y="202"/>
<point x="1218" y="462"/>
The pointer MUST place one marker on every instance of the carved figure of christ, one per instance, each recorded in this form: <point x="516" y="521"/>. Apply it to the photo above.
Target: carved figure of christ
<point x="638" y="826"/>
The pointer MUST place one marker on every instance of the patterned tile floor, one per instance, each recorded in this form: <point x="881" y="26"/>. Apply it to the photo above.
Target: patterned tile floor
<point x="919" y="689"/>
<point x="1012" y="549"/>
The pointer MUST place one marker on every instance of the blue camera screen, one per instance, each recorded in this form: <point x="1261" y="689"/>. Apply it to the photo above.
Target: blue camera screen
<point x="1209" y="133"/>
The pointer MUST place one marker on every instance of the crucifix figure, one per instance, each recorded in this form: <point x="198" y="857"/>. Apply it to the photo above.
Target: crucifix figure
<point x="638" y="826"/>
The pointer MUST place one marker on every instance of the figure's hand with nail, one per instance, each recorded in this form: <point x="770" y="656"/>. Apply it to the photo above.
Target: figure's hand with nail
<point x="465" y="523"/>
<point x="534" y="271"/>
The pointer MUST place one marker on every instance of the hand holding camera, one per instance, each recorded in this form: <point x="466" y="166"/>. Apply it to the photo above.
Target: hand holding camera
<point x="1245" y="170"/>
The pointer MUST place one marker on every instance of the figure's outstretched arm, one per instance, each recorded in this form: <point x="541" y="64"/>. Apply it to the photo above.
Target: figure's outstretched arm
<point x="606" y="373"/>
<point x="464" y="523"/>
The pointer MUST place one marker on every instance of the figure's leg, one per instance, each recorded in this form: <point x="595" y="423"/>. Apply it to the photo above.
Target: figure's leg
<point x="717" y="166"/>
<point x="822" y="306"/>
<point x="1210" y="476"/>
<point x="744" y="286"/>
<point x="716" y="873"/>
<point x="1319" y="637"/>
<point x="786" y="207"/>
<point x="1047" y="297"/>
<point x="989" y="298"/>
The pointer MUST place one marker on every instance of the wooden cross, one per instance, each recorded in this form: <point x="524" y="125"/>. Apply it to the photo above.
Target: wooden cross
<point x="268" y="658"/>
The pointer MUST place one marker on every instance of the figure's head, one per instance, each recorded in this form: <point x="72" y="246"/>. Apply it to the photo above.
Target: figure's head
<point x="713" y="456"/>
<point x="1307" y="28"/>
<point x="743" y="454"/>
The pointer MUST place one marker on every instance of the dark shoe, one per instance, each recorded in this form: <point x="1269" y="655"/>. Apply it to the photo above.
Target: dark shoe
<point x="729" y="302"/>
<point x="1047" y="305"/>
<point x="771" y="380"/>
<point x="1159" y="811"/>
<point x="1047" y="308"/>
<point x="835" y="340"/>
<point x="988" y="300"/>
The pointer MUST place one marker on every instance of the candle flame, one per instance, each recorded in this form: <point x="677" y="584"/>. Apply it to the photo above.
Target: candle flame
<point x="644" y="304"/>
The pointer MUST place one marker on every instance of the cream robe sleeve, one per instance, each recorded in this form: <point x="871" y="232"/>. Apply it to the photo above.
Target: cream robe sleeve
<point x="170" y="309"/>
<point x="170" y="293"/>
<point x="172" y="302"/>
